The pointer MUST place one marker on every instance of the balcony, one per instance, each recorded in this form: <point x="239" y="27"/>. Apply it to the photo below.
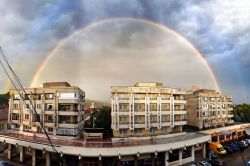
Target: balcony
<point x="180" y="101"/>
<point x="73" y="113"/>
<point x="180" y="123"/>
<point x="68" y="124"/>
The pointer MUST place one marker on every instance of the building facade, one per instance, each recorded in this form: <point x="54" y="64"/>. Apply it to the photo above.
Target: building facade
<point x="3" y="120"/>
<point x="59" y="106"/>
<point x="147" y="109"/>
<point x="208" y="108"/>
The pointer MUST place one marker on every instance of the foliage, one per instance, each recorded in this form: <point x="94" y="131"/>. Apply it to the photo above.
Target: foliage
<point x="4" y="100"/>
<point x="242" y="113"/>
<point x="101" y="119"/>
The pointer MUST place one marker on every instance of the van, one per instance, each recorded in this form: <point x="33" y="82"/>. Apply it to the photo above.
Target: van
<point x="217" y="148"/>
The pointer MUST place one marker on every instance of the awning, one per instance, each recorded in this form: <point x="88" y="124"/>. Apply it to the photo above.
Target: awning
<point x="247" y="131"/>
<point x="225" y="132"/>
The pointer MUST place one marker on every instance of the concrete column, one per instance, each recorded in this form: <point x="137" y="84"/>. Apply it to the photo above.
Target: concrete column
<point x="180" y="156"/>
<point x="80" y="162"/>
<point x="192" y="153"/>
<point x="204" y="150"/>
<point x="33" y="157"/>
<point x="118" y="162"/>
<point x="47" y="158"/>
<point x="153" y="159"/>
<point x="99" y="162"/>
<point x="21" y="154"/>
<point x="9" y="151"/>
<point x="166" y="158"/>
<point x="64" y="161"/>
<point x="136" y="161"/>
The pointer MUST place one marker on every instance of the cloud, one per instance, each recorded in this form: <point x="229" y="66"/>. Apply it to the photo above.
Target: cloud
<point x="219" y="29"/>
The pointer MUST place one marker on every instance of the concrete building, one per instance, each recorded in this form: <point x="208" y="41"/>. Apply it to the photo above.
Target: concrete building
<point x="147" y="109"/>
<point x="3" y="119"/>
<point x="208" y="108"/>
<point x="59" y="105"/>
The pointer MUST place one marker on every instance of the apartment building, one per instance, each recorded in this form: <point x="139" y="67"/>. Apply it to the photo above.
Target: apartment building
<point x="59" y="105"/>
<point x="147" y="109"/>
<point x="208" y="108"/>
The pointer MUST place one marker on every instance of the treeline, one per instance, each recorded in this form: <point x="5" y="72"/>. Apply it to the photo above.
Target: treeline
<point x="242" y="113"/>
<point x="4" y="100"/>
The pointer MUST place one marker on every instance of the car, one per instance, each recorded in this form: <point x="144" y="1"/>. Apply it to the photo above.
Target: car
<point x="245" y="143"/>
<point x="3" y="163"/>
<point x="234" y="146"/>
<point x="248" y="141"/>
<point x="228" y="149"/>
<point x="204" y="163"/>
<point x="240" y="145"/>
<point x="217" y="162"/>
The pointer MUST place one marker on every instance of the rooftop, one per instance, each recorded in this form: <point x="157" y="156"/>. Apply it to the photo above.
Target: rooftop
<point x="104" y="143"/>
<point x="56" y="84"/>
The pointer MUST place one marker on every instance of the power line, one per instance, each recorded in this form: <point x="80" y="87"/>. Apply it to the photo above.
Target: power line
<point x="23" y="98"/>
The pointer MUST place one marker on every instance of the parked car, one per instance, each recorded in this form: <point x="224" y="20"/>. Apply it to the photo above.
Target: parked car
<point x="217" y="148"/>
<point x="217" y="162"/>
<point x="234" y="146"/>
<point x="228" y="149"/>
<point x="204" y="163"/>
<point x="245" y="143"/>
<point x="248" y="141"/>
<point x="240" y="145"/>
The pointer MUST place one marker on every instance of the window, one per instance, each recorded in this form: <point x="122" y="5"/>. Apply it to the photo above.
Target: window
<point x="26" y="116"/>
<point x="38" y="106"/>
<point x="27" y="106"/>
<point x="153" y="107"/>
<point x="163" y="129"/>
<point x="49" y="107"/>
<point x="68" y="96"/>
<point x="17" y="97"/>
<point x="153" y="129"/>
<point x="138" y="131"/>
<point x="15" y="106"/>
<point x="50" y="129"/>
<point x="123" y="131"/>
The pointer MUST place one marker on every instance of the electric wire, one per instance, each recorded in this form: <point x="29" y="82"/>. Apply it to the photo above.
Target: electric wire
<point x="34" y="112"/>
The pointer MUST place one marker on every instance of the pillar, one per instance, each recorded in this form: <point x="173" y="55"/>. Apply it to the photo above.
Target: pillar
<point x="180" y="156"/>
<point x="204" y="150"/>
<point x="118" y="162"/>
<point x="33" y="157"/>
<point x="9" y="151"/>
<point x="64" y="161"/>
<point x="99" y="162"/>
<point x="153" y="159"/>
<point x="47" y="158"/>
<point x="136" y="161"/>
<point x="21" y="154"/>
<point x="192" y="153"/>
<point x="166" y="158"/>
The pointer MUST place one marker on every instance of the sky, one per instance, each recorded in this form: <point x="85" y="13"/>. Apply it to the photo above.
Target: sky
<point x="220" y="30"/>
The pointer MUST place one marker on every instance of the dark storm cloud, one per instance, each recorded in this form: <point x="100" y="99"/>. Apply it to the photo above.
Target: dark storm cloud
<point x="219" y="29"/>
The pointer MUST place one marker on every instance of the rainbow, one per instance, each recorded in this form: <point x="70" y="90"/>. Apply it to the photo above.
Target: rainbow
<point x="88" y="27"/>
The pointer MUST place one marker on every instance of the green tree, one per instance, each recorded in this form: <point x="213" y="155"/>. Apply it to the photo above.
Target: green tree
<point x="4" y="100"/>
<point x="242" y="113"/>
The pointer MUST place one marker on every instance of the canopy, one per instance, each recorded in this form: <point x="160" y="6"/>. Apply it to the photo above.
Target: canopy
<point x="225" y="132"/>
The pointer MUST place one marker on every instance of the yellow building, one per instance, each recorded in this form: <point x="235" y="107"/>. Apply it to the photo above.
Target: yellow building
<point x="208" y="108"/>
<point x="58" y="104"/>
<point x="147" y="109"/>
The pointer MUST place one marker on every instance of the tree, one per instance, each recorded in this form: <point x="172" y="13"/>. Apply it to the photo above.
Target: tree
<point x="242" y="113"/>
<point x="4" y="100"/>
